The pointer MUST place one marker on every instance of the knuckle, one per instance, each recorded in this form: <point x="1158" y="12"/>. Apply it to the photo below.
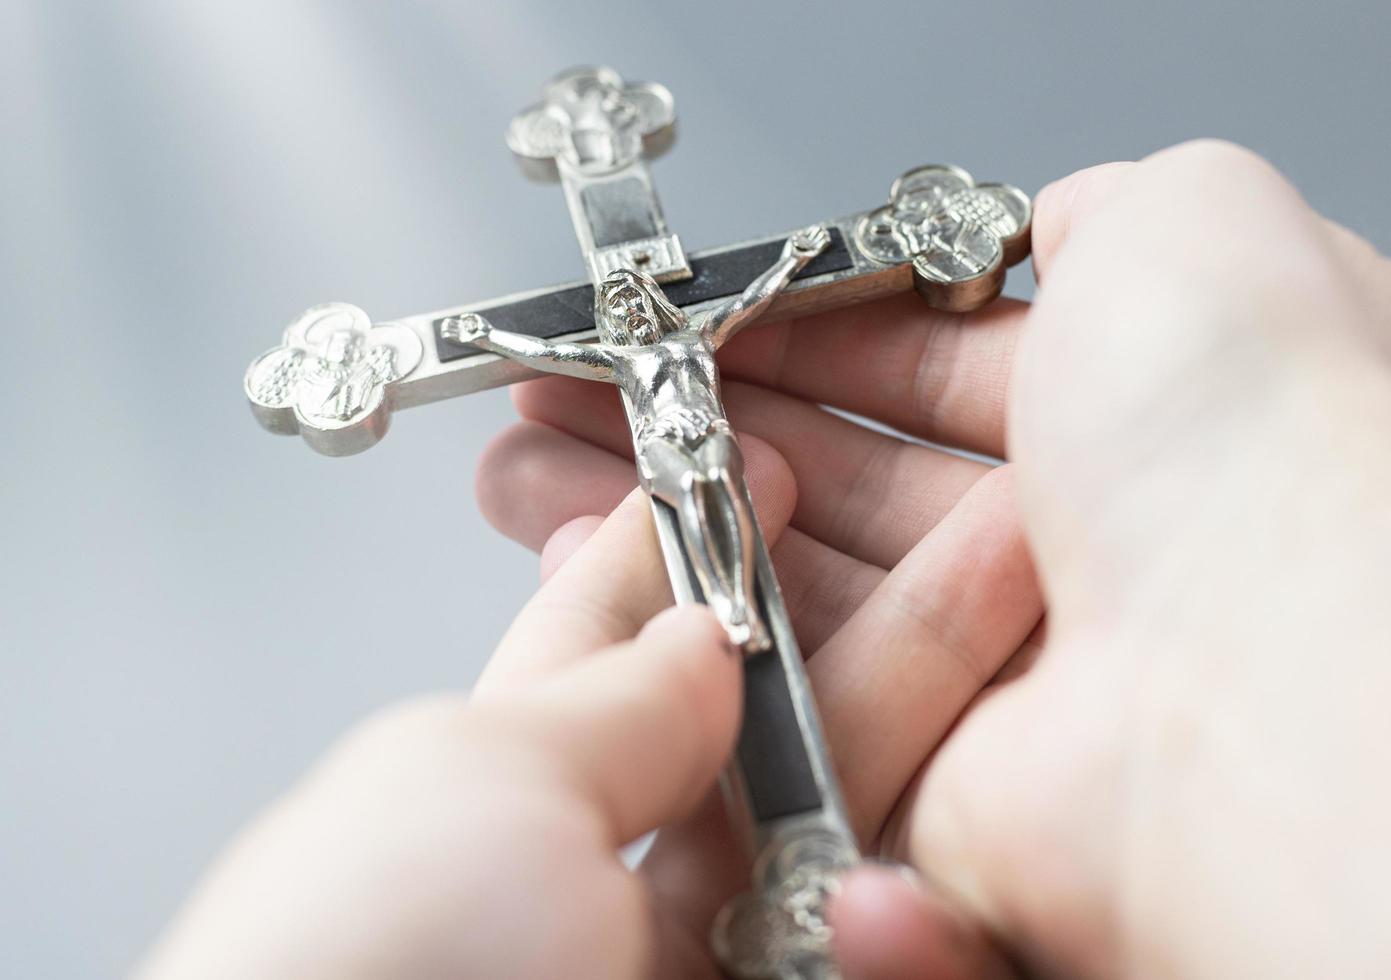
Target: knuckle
<point x="1199" y="170"/>
<point x="1222" y="213"/>
<point x="1215" y="156"/>
<point x="1358" y="250"/>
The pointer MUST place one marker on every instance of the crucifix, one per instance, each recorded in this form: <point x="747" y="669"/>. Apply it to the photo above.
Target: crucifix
<point x="658" y="316"/>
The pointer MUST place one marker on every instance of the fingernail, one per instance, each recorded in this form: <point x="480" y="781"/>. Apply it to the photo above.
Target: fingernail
<point x="907" y="872"/>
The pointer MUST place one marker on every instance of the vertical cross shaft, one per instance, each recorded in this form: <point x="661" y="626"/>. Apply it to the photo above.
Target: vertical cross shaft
<point x="594" y="133"/>
<point x="590" y="129"/>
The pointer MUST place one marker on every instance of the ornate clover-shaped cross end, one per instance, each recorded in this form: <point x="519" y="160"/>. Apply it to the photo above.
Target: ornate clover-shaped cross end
<point x="590" y="120"/>
<point x="959" y="235"/>
<point x="780" y="931"/>
<point x="330" y="381"/>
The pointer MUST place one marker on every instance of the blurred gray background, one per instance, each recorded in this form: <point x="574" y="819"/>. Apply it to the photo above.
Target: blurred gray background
<point x="190" y="609"/>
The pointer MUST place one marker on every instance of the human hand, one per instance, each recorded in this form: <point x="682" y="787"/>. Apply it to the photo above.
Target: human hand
<point x="478" y="837"/>
<point x="1198" y="421"/>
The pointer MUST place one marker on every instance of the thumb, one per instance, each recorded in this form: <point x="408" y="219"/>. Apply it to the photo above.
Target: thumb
<point x="888" y="928"/>
<point x="1067" y="203"/>
<point x="642" y="728"/>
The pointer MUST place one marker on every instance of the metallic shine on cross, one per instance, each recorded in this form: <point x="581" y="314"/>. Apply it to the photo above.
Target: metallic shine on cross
<point x="659" y="315"/>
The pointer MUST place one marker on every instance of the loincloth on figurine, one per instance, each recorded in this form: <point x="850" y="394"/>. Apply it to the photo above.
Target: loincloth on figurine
<point x="685" y="426"/>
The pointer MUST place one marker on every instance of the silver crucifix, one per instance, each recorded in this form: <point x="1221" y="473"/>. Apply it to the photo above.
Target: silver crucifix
<point x="337" y="377"/>
<point x="663" y="362"/>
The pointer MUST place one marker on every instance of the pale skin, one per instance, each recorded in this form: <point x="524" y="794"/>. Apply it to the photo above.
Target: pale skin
<point x="1184" y="777"/>
<point x="686" y="453"/>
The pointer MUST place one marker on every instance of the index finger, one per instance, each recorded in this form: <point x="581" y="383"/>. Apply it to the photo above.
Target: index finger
<point x="940" y="376"/>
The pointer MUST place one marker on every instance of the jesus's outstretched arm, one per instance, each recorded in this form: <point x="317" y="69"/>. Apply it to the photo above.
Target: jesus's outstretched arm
<point x="727" y="320"/>
<point x="589" y="361"/>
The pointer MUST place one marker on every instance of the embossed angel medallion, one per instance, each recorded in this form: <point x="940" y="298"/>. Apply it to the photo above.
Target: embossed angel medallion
<point x="780" y="928"/>
<point x="959" y="235"/>
<point x="594" y="133"/>
<point x="593" y="121"/>
<point x="329" y="381"/>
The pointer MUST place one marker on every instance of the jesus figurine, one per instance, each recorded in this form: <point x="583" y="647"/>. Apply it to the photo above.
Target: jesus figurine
<point x="686" y="452"/>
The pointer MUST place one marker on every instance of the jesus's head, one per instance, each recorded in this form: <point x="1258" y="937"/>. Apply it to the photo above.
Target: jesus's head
<point x="632" y="311"/>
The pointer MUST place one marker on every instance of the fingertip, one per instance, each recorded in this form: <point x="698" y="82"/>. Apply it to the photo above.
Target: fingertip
<point x="1060" y="206"/>
<point x="584" y="409"/>
<point x="703" y="661"/>
<point x="613" y="540"/>
<point x="875" y="890"/>
<point x="709" y="662"/>
<point x="999" y="484"/>
<point x="772" y="484"/>
<point x="528" y="396"/>
<point x="889" y="927"/>
<point x="498" y="476"/>
<point x="520" y="469"/>
<point x="876" y="915"/>
<point x="653" y="719"/>
<point x="690" y="626"/>
<point x="1206" y="157"/>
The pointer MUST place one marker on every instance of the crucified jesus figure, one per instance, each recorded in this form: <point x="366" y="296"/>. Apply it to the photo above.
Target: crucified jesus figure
<point x="687" y="456"/>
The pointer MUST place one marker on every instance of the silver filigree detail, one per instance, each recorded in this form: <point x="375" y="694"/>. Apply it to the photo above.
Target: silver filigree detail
<point x="959" y="235"/>
<point x="594" y="122"/>
<point x="780" y="930"/>
<point x="330" y="380"/>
